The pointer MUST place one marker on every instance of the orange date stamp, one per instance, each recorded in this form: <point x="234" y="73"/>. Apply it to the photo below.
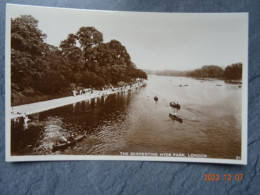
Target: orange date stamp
<point x="226" y="177"/>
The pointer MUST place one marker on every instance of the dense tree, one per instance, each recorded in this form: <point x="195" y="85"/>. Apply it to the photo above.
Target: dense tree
<point x="25" y="35"/>
<point x="113" y="60"/>
<point x="233" y="72"/>
<point x="211" y="71"/>
<point x="81" y="60"/>
<point x="90" y="79"/>
<point x="89" y="38"/>
<point x="51" y="83"/>
<point x="27" y="51"/>
<point x="54" y="59"/>
<point x="71" y="54"/>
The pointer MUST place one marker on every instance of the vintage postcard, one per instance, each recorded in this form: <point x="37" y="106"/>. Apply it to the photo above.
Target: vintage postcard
<point x="107" y="85"/>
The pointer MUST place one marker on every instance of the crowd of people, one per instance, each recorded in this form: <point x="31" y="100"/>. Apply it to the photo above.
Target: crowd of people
<point x="108" y="90"/>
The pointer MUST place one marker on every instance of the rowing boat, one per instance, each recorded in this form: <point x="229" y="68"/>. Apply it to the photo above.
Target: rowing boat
<point x="174" y="116"/>
<point x="62" y="146"/>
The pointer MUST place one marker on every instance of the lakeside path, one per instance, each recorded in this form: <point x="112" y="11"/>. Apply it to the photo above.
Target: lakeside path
<point x="27" y="109"/>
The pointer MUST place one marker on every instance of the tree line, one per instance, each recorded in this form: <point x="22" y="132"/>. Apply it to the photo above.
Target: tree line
<point x="231" y="72"/>
<point x="81" y="60"/>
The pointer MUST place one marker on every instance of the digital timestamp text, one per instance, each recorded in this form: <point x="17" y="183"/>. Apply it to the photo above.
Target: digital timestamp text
<point x="226" y="177"/>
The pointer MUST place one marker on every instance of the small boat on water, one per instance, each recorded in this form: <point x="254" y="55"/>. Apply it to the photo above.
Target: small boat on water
<point x="62" y="146"/>
<point x="79" y="138"/>
<point x="174" y="116"/>
<point x="72" y="142"/>
<point x="175" y="105"/>
<point x="155" y="98"/>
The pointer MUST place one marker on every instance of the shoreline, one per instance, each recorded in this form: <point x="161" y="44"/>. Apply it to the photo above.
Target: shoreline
<point x="32" y="108"/>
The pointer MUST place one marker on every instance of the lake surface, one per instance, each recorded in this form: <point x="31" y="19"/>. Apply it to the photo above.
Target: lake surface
<point x="134" y="122"/>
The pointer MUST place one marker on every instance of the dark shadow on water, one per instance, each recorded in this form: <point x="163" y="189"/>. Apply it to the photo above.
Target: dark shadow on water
<point x="80" y="118"/>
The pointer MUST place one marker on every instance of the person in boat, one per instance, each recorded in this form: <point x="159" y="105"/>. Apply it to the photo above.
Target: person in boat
<point x="178" y="106"/>
<point x="71" y="138"/>
<point x="63" y="139"/>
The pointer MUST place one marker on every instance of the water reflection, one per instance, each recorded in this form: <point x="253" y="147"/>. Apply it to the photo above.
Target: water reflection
<point x="134" y="122"/>
<point x="85" y="117"/>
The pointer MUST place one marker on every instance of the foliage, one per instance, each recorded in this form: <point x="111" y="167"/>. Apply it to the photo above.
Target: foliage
<point x="27" y="51"/>
<point x="233" y="72"/>
<point x="89" y="38"/>
<point x="25" y="35"/>
<point x="72" y="55"/>
<point x="89" y="79"/>
<point x="81" y="60"/>
<point x="50" y="83"/>
<point x="211" y="71"/>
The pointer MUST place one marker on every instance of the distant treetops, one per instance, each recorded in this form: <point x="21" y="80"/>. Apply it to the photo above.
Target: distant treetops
<point x="231" y="72"/>
<point x="83" y="60"/>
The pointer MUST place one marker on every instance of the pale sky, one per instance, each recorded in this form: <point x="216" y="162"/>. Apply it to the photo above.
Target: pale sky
<point x="158" y="41"/>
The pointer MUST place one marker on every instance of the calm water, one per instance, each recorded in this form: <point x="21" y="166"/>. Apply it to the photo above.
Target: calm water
<point x="134" y="122"/>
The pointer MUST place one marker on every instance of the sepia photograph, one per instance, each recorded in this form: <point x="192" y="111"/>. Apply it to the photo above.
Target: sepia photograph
<point x="110" y="85"/>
